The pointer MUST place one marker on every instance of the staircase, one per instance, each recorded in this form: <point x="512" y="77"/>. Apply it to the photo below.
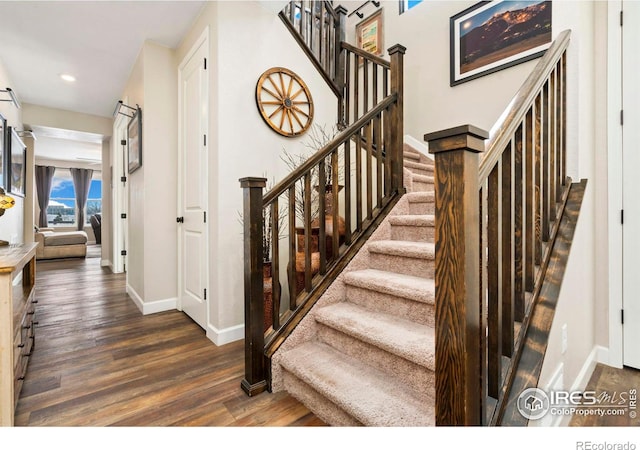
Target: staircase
<point x="365" y="355"/>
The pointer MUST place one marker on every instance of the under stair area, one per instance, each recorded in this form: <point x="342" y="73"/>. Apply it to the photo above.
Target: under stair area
<point x="371" y="357"/>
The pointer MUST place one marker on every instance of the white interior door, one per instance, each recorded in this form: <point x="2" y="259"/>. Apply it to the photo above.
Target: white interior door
<point x="631" y="183"/>
<point x="192" y="208"/>
<point x="120" y="197"/>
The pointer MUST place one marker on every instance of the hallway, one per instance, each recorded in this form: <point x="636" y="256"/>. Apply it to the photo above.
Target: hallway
<point x="98" y="361"/>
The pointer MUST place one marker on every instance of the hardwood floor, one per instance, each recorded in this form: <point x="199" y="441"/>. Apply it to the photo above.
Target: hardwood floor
<point x="609" y="380"/>
<point x="98" y="361"/>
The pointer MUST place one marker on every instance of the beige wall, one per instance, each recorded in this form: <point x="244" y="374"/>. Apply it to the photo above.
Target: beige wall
<point x="12" y="222"/>
<point x="241" y="144"/>
<point x="36" y="115"/>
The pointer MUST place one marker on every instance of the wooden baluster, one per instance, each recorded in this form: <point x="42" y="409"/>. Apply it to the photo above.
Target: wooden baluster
<point x="365" y="87"/>
<point x="458" y="328"/>
<point x="546" y="150"/>
<point x="494" y="279"/>
<point x="387" y="156"/>
<point x="307" y="233"/>
<point x="322" y="234"/>
<point x="482" y="301"/>
<point x="347" y="192"/>
<point x="340" y="72"/>
<point x="507" y="253"/>
<point x="369" y="169"/>
<point x="374" y="73"/>
<point x="293" y="290"/>
<point x="356" y="87"/>
<point x="396" y="118"/>
<point x="563" y="65"/>
<point x="255" y="376"/>
<point x="335" y="190"/>
<point x="537" y="228"/>
<point x="552" y="149"/>
<point x="321" y="36"/>
<point x="518" y="255"/>
<point x="359" y="181"/>
<point x="275" y="264"/>
<point x="558" y="124"/>
<point x="292" y="12"/>
<point x="304" y="30"/>
<point x="377" y="126"/>
<point x="528" y="200"/>
<point x="347" y="88"/>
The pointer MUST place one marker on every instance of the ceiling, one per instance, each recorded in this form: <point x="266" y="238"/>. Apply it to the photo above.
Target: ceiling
<point x="95" y="41"/>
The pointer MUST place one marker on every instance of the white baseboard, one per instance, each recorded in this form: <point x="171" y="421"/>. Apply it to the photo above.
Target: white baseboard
<point x="580" y="383"/>
<point x="225" y="336"/>
<point x="151" y="307"/>
<point x="422" y="147"/>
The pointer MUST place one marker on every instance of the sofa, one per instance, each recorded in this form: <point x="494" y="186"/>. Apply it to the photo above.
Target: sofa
<point x="60" y="244"/>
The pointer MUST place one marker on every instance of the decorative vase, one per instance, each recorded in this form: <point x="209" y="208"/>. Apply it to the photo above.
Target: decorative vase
<point x="268" y="294"/>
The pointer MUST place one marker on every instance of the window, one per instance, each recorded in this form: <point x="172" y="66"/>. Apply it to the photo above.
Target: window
<point x="61" y="211"/>
<point x="94" y="200"/>
<point x="406" y="5"/>
<point x="62" y="201"/>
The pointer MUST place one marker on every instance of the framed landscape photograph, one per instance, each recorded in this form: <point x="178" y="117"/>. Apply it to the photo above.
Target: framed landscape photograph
<point x="3" y="155"/>
<point x="369" y="34"/>
<point x="134" y="141"/>
<point x="17" y="173"/>
<point x="493" y="35"/>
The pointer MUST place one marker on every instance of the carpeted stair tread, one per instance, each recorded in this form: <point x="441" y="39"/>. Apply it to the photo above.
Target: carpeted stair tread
<point x="421" y="197"/>
<point x="416" y="220"/>
<point x="410" y="249"/>
<point x="411" y="155"/>
<point x="420" y="166"/>
<point x="369" y="395"/>
<point x="401" y="337"/>
<point x="405" y="286"/>
<point x="422" y="178"/>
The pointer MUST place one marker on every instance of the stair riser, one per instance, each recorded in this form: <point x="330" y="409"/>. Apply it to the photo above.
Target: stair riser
<point x="322" y="407"/>
<point x="412" y="233"/>
<point x="419" y="312"/>
<point x="422" y="208"/>
<point x="418" y="378"/>
<point x="416" y="267"/>
<point x="420" y="171"/>
<point x="410" y="156"/>
<point x="420" y="186"/>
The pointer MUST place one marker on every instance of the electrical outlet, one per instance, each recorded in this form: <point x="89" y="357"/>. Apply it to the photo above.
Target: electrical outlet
<point x="565" y="339"/>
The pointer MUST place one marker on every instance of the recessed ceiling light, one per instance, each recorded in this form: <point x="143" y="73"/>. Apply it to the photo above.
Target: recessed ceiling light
<point x="67" y="77"/>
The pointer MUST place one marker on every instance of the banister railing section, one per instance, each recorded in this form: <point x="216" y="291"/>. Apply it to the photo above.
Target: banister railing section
<point x="497" y="216"/>
<point x="314" y="221"/>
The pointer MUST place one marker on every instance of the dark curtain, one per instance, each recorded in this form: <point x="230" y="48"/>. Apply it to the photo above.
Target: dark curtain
<point x="81" y="182"/>
<point x="44" y="179"/>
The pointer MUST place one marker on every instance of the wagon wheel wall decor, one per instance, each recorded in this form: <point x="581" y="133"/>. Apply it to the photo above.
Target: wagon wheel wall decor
<point x="284" y="102"/>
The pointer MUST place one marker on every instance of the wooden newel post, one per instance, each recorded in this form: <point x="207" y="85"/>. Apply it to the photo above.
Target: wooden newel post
<point x="255" y="377"/>
<point x="340" y="55"/>
<point x="396" y="53"/>
<point x="457" y="275"/>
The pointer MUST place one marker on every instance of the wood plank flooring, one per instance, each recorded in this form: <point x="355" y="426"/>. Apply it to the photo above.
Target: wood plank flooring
<point x="610" y="380"/>
<point x="98" y="361"/>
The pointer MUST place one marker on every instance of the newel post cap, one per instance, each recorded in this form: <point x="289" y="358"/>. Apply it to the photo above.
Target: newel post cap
<point x="397" y="49"/>
<point x="464" y="137"/>
<point x="253" y="182"/>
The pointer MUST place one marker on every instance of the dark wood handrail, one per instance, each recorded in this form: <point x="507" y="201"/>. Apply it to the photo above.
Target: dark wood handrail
<point x="366" y="55"/>
<point x="512" y="116"/>
<point x="331" y="146"/>
<point x="497" y="217"/>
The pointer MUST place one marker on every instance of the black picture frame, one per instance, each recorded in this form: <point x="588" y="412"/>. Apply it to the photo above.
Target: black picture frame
<point x="480" y="45"/>
<point x="16" y="162"/>
<point x="3" y="152"/>
<point x="134" y="141"/>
